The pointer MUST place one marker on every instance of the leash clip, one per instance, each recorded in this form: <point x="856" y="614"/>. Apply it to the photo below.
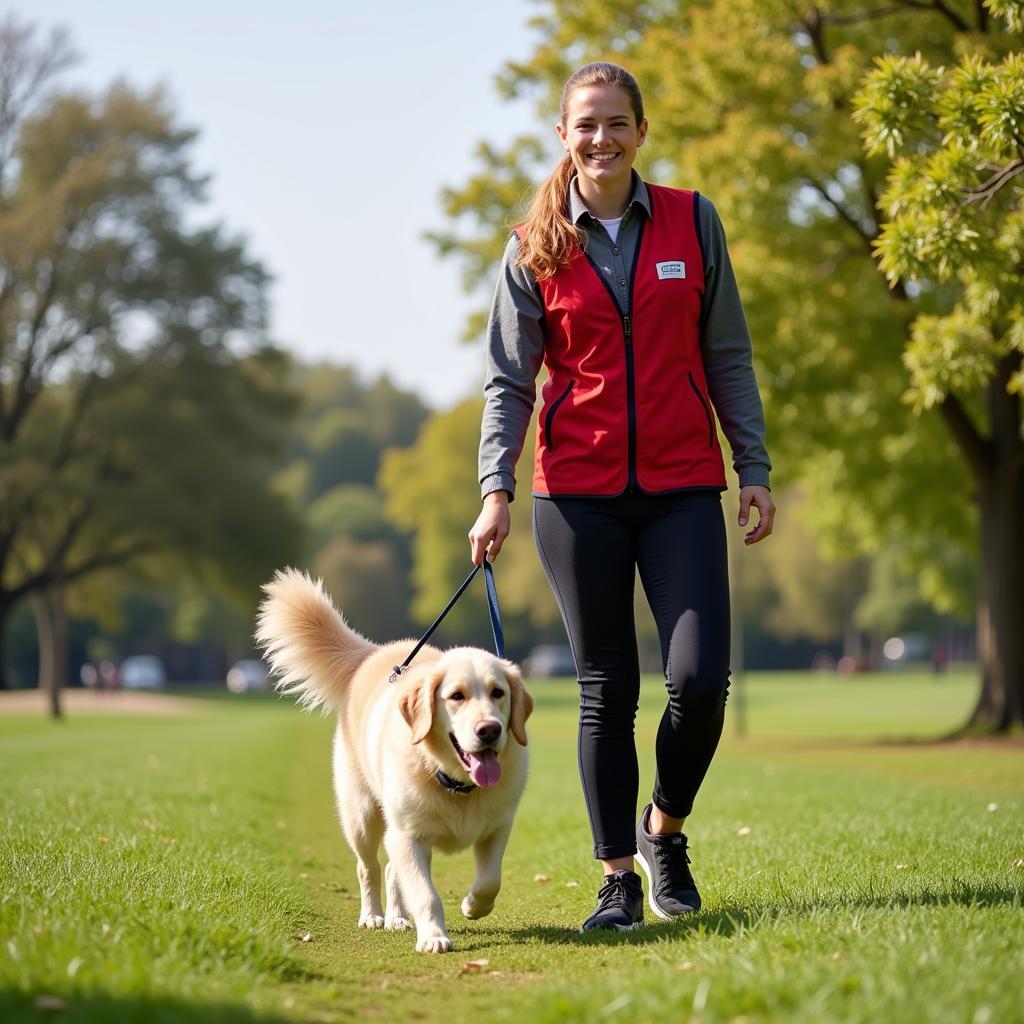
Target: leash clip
<point x="397" y="671"/>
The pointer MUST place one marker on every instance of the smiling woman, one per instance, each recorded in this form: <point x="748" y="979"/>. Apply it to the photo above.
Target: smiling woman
<point x="624" y="291"/>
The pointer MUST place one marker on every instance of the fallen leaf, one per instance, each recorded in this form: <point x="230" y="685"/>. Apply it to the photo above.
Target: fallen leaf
<point x="993" y="807"/>
<point x="900" y="867"/>
<point x="475" y="965"/>
<point x="745" y="831"/>
<point x="686" y="965"/>
<point x="542" y="878"/>
<point x="837" y="955"/>
<point x="1019" y="862"/>
<point x="304" y="937"/>
<point x="74" y="966"/>
<point x="52" y="1003"/>
<point x="104" y="840"/>
<point x="572" y="885"/>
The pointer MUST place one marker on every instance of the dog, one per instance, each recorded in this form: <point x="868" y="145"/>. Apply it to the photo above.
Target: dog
<point x="435" y="760"/>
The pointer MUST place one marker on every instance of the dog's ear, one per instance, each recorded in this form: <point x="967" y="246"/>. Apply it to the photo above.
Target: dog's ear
<point x="417" y="702"/>
<point x="522" y="702"/>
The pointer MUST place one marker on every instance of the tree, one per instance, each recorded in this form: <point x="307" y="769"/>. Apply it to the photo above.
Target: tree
<point x="139" y="401"/>
<point x="956" y="223"/>
<point x="750" y="101"/>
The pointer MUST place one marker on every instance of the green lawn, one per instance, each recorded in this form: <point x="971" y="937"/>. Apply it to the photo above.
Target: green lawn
<point x="166" y="869"/>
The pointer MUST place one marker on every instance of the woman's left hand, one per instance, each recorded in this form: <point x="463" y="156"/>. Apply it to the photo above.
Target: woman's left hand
<point x="761" y="499"/>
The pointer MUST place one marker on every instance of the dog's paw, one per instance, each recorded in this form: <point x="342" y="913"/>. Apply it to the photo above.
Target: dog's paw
<point x="434" y="944"/>
<point x="397" y="924"/>
<point x="371" y="921"/>
<point x="475" y="907"/>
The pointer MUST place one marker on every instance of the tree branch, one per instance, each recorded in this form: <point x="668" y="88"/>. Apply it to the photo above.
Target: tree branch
<point x="987" y="191"/>
<point x="108" y="559"/>
<point x="845" y="215"/>
<point x="899" y="8"/>
<point x="976" y="450"/>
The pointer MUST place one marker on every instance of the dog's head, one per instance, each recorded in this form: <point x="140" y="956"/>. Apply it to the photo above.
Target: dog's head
<point x="465" y="705"/>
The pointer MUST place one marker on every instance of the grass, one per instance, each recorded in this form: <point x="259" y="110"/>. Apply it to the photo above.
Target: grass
<point x="166" y="869"/>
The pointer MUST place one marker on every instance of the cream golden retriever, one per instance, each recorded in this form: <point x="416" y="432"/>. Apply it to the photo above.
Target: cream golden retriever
<point x="434" y="760"/>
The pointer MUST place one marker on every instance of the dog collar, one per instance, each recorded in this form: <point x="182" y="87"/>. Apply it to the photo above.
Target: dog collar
<point x="453" y="785"/>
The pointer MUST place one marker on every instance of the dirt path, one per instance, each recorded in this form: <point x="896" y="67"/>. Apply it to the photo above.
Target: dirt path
<point x="118" y="702"/>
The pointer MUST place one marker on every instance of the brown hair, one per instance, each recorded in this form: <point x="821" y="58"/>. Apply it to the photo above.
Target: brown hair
<point x="548" y="236"/>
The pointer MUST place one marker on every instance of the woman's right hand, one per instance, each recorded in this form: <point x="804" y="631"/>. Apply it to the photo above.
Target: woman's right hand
<point x="491" y="528"/>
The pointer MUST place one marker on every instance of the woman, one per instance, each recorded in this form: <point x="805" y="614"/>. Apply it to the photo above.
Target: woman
<point x="625" y="292"/>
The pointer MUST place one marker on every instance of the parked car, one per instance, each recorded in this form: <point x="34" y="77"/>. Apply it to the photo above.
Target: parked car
<point x="247" y="676"/>
<point x="550" y="660"/>
<point x="142" y="672"/>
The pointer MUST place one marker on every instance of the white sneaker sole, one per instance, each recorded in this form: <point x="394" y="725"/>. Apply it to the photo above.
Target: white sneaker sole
<point x="655" y="909"/>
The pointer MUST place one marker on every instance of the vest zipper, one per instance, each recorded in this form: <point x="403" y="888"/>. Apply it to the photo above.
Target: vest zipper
<point x="549" y="419"/>
<point x="627" y="336"/>
<point x="627" y="332"/>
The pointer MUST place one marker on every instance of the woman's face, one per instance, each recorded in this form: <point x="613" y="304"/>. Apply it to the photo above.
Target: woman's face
<point x="601" y="134"/>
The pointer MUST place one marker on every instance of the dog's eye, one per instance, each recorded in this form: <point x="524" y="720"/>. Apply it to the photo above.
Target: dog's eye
<point x="457" y="695"/>
<point x="497" y="693"/>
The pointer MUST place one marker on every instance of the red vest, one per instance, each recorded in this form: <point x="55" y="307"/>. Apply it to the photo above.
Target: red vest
<point x="626" y="404"/>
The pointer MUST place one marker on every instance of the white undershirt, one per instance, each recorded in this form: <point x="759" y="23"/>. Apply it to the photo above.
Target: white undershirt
<point x="611" y="226"/>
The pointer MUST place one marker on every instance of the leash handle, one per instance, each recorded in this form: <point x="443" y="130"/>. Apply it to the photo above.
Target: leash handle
<point x="492" y="609"/>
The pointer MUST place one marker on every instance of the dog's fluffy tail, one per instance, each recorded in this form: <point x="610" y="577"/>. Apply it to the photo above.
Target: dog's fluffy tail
<point x="310" y="647"/>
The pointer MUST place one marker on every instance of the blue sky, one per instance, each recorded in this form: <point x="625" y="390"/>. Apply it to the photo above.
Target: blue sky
<point x="329" y="130"/>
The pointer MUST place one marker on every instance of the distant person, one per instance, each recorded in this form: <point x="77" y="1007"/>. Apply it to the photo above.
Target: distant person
<point x="940" y="659"/>
<point x="110" y="678"/>
<point x="624" y="291"/>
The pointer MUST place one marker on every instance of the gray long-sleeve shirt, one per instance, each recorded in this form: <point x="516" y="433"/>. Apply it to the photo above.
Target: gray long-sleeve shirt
<point x="515" y="342"/>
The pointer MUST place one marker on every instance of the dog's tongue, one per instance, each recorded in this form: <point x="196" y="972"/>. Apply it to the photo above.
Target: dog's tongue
<point x="485" y="768"/>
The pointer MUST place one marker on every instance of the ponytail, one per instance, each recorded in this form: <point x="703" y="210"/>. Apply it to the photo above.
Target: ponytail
<point x="548" y="236"/>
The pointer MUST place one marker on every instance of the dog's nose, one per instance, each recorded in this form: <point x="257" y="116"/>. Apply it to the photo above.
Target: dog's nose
<point x="488" y="731"/>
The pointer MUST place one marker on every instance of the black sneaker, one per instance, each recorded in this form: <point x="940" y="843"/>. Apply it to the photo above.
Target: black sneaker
<point x="667" y="866"/>
<point x="620" y="903"/>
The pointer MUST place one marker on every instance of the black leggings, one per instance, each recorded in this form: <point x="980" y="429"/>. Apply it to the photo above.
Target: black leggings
<point x="590" y="548"/>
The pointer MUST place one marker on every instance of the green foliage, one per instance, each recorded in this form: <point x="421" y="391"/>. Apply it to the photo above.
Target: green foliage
<point x="369" y="581"/>
<point x="953" y="198"/>
<point x="344" y="428"/>
<point x="139" y="400"/>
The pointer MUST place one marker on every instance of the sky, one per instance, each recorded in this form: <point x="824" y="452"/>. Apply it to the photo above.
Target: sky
<point x="329" y="129"/>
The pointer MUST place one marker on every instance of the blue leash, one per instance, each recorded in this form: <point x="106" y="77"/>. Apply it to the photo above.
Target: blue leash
<point x="492" y="608"/>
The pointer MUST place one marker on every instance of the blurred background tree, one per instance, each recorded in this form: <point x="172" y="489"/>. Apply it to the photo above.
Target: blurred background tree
<point x="139" y="401"/>
<point x="955" y="225"/>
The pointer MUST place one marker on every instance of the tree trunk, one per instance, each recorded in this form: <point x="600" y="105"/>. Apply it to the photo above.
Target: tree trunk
<point x="5" y="609"/>
<point x="50" y="611"/>
<point x="1001" y="603"/>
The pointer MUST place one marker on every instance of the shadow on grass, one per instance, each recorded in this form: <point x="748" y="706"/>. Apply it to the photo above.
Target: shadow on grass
<point x="729" y="921"/>
<point x="19" y="1008"/>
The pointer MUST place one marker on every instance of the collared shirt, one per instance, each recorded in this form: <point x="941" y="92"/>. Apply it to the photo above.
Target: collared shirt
<point x="515" y="342"/>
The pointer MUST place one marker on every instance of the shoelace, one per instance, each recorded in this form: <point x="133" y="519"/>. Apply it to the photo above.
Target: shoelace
<point x="673" y="861"/>
<point x="613" y="894"/>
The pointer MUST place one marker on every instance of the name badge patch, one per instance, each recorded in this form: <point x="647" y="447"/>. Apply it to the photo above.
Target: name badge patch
<point x="671" y="268"/>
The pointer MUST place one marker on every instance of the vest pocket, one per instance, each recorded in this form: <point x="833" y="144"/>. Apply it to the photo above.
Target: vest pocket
<point x="549" y="418"/>
<point x="707" y="411"/>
